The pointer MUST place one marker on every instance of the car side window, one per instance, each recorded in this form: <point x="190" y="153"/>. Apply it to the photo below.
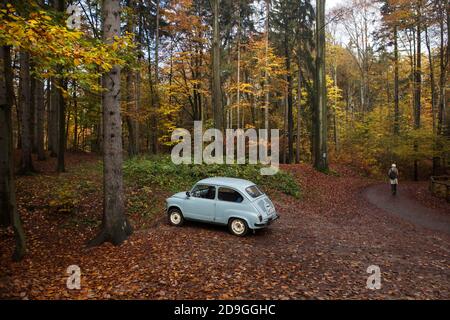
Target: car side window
<point x="204" y="191"/>
<point x="227" y="194"/>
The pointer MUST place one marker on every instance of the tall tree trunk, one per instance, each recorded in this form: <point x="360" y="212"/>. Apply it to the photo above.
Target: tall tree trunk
<point x="266" y="75"/>
<point x="33" y="111"/>
<point x="285" y="126"/>
<point x="130" y="93"/>
<point x="238" y="94"/>
<point x="115" y="225"/>
<point x="40" y="114"/>
<point x="335" y="130"/>
<point x="442" y="71"/>
<point x="9" y="216"/>
<point x="75" y="116"/>
<point x="290" y="119"/>
<point x="60" y="166"/>
<point x="417" y="89"/>
<point x="216" y="87"/>
<point x="26" y="165"/>
<point x="436" y="159"/>
<point x="156" y="89"/>
<point x="62" y="84"/>
<point x="320" y="110"/>
<point x="396" y="99"/>
<point x="52" y="122"/>
<point x="132" y="143"/>
<point x="299" y="110"/>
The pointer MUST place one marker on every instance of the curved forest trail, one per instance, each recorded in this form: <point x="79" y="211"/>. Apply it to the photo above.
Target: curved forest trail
<point x="403" y="206"/>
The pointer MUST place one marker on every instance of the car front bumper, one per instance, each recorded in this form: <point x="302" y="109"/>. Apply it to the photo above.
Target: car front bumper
<point x="268" y="222"/>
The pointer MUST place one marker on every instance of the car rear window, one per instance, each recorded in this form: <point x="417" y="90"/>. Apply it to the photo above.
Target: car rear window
<point x="227" y="194"/>
<point x="254" y="191"/>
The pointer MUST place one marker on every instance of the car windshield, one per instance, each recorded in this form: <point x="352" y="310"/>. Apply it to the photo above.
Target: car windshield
<point x="254" y="191"/>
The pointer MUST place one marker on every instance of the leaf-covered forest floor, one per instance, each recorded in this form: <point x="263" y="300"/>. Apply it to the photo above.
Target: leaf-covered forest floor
<point x="320" y="248"/>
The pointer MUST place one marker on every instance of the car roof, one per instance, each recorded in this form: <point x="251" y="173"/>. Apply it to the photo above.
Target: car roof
<point x="227" y="182"/>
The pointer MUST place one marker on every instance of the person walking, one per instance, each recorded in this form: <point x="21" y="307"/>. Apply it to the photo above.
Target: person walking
<point x="393" y="178"/>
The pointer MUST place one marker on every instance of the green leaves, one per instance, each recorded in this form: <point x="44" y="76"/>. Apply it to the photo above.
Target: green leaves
<point x="162" y="172"/>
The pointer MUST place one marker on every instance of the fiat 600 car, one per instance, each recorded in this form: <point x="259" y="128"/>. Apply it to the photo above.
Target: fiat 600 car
<point x="237" y="203"/>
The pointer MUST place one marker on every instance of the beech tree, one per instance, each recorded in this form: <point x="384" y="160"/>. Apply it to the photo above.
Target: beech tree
<point x="115" y="226"/>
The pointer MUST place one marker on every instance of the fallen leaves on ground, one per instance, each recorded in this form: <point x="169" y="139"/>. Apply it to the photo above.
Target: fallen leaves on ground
<point x="319" y="249"/>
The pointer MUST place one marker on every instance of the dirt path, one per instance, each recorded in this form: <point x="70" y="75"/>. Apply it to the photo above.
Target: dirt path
<point x="407" y="208"/>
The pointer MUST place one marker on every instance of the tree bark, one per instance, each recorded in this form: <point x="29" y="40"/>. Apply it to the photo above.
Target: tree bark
<point x="26" y="165"/>
<point x="216" y="87"/>
<point x="396" y="98"/>
<point x="130" y="93"/>
<point x="115" y="225"/>
<point x="62" y="84"/>
<point x="320" y="110"/>
<point x="52" y="121"/>
<point x="266" y="76"/>
<point x="238" y="75"/>
<point x="60" y="166"/>
<point x="417" y="89"/>
<point x="40" y="113"/>
<point x="156" y="89"/>
<point x="75" y="116"/>
<point x="9" y="215"/>
<point x="290" y="120"/>
<point x="299" y="111"/>
<point x="33" y="111"/>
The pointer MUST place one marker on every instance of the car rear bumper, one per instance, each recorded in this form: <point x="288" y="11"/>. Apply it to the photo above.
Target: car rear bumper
<point x="268" y="222"/>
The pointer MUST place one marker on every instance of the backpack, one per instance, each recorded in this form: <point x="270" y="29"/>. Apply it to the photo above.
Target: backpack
<point x="392" y="174"/>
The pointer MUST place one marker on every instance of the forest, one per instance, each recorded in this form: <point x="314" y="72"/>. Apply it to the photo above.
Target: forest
<point x="355" y="84"/>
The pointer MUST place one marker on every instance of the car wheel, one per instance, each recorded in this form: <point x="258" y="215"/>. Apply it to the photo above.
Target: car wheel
<point x="238" y="227"/>
<point x="176" y="217"/>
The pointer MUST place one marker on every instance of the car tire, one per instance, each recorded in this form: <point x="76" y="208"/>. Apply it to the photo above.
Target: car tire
<point x="175" y="217"/>
<point x="238" y="227"/>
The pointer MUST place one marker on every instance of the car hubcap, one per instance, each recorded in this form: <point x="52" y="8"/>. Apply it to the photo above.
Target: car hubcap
<point x="237" y="226"/>
<point x="175" y="218"/>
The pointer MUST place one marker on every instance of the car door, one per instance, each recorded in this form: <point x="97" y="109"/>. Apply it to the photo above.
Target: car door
<point x="201" y="203"/>
<point x="229" y="202"/>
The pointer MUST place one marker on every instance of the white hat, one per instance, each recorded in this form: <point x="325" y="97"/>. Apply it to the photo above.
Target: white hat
<point x="393" y="165"/>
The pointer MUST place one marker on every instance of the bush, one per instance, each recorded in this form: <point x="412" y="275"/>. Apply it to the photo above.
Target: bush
<point x="162" y="172"/>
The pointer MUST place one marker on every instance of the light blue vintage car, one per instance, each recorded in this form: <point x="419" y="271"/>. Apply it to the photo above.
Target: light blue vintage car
<point x="237" y="203"/>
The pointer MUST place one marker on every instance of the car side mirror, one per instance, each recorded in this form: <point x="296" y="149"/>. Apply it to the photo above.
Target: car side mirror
<point x="188" y="194"/>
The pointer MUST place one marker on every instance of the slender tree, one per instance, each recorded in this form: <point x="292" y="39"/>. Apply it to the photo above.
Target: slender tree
<point x="320" y="110"/>
<point x="115" y="226"/>
<point x="26" y="165"/>
<point x="60" y="6"/>
<point x="266" y="76"/>
<point x="9" y="215"/>
<point x="130" y="92"/>
<point x="40" y="115"/>
<point x="216" y="85"/>
<point x="417" y="84"/>
<point x="396" y="97"/>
